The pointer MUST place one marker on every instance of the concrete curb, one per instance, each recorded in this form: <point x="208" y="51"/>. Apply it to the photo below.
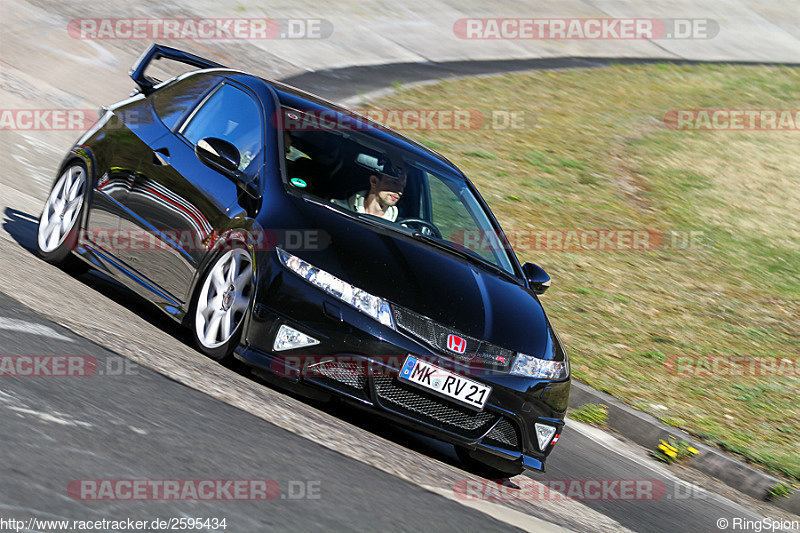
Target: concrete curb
<point x="354" y="85"/>
<point x="646" y="430"/>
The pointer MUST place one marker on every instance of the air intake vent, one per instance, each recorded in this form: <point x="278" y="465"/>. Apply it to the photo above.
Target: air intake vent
<point x="504" y="435"/>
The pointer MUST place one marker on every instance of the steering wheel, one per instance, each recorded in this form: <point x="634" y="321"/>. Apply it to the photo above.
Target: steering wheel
<point x="427" y="228"/>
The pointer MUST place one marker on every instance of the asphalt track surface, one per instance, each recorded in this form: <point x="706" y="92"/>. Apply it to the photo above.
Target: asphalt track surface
<point x="127" y="421"/>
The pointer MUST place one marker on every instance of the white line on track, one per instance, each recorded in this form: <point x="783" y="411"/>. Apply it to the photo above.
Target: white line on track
<point x="23" y="326"/>
<point x="54" y="417"/>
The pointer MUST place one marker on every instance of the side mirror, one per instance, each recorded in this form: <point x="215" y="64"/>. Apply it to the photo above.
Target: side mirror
<point x="224" y="157"/>
<point x="218" y="154"/>
<point x="537" y="278"/>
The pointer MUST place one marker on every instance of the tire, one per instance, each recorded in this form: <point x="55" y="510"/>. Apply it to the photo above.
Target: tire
<point x="488" y="465"/>
<point x="220" y="303"/>
<point x="57" y="233"/>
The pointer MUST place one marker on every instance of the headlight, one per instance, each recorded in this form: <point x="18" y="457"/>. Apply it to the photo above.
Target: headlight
<point x="533" y="367"/>
<point x="377" y="308"/>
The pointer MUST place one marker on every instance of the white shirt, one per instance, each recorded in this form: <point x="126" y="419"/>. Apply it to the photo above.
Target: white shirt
<point x="356" y="203"/>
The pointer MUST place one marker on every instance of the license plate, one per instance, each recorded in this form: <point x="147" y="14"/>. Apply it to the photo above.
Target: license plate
<point x="445" y="383"/>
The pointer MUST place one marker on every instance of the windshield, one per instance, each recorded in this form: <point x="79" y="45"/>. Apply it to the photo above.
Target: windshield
<point x="347" y="168"/>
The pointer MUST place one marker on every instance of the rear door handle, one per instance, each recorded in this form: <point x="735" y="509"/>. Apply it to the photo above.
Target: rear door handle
<point x="161" y="157"/>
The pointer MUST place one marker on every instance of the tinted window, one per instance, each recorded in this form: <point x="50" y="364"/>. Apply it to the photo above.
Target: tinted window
<point x="232" y="115"/>
<point x="460" y="219"/>
<point x="172" y="101"/>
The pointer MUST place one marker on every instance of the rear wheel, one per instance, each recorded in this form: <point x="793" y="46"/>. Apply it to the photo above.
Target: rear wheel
<point x="58" y="229"/>
<point x="221" y="302"/>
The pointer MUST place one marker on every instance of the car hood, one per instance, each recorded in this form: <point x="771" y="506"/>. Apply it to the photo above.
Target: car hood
<point x="431" y="282"/>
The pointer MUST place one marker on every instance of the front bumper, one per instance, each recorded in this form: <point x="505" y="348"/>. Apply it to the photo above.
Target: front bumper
<point x="373" y="355"/>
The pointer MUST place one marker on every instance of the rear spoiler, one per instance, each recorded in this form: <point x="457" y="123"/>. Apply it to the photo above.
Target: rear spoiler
<point x="157" y="51"/>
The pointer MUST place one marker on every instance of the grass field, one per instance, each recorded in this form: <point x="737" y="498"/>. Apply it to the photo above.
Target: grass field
<point x="649" y="325"/>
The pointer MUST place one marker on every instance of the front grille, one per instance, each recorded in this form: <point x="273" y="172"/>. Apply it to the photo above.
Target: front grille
<point x="504" y="434"/>
<point x="431" y="409"/>
<point x="435" y="335"/>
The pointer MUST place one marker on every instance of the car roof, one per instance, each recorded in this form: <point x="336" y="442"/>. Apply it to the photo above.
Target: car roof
<point x="295" y="98"/>
<point x="292" y="96"/>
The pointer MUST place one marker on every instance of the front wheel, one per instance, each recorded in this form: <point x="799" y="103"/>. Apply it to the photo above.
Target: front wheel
<point x="221" y="302"/>
<point x="58" y="229"/>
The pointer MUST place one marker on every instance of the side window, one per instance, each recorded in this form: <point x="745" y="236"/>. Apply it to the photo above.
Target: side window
<point x="232" y="115"/>
<point x="449" y="213"/>
<point x="174" y="100"/>
<point x="453" y="219"/>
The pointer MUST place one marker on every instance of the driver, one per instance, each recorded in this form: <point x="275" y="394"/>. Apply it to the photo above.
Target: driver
<point x="385" y="189"/>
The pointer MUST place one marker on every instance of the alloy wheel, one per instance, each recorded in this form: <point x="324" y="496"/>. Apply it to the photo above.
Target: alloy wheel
<point x="223" y="298"/>
<point x="61" y="209"/>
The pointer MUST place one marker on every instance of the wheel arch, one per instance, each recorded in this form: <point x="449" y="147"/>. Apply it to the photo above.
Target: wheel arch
<point x="230" y="238"/>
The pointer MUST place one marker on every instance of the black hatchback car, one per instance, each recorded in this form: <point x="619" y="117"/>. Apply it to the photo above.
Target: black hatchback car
<point x="318" y="247"/>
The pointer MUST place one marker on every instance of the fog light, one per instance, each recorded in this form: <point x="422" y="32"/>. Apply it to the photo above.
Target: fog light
<point x="544" y="434"/>
<point x="289" y="339"/>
